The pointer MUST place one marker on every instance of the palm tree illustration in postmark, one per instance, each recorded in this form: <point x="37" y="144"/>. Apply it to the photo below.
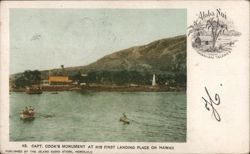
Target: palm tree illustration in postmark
<point x="213" y="35"/>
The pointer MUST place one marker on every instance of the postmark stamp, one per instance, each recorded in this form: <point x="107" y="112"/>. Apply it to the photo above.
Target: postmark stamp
<point x="213" y="34"/>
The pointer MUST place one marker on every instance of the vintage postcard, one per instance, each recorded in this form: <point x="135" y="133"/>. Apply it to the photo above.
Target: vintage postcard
<point x="124" y="77"/>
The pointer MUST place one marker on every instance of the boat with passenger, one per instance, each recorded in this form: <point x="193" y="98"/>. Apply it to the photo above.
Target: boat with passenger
<point x="124" y="119"/>
<point x="28" y="113"/>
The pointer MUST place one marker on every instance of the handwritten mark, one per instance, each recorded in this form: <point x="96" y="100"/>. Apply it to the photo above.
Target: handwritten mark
<point x="209" y="104"/>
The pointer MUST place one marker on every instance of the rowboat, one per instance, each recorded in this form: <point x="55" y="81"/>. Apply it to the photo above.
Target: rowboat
<point x="27" y="114"/>
<point x="54" y="93"/>
<point x="124" y="120"/>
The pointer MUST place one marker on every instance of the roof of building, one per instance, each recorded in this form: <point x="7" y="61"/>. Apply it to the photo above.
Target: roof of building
<point x="59" y="79"/>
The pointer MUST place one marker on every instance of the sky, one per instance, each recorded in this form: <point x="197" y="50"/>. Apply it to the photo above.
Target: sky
<point x="47" y="38"/>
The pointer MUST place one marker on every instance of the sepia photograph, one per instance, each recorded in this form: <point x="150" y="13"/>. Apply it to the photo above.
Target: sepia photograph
<point x="97" y="75"/>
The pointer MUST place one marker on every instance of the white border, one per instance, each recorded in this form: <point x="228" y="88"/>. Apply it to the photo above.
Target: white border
<point x="204" y="134"/>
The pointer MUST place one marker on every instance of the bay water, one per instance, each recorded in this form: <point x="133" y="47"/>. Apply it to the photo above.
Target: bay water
<point x="94" y="117"/>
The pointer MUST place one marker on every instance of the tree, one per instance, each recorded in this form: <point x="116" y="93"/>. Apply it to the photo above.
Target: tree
<point x="217" y="28"/>
<point x="196" y="29"/>
<point x="76" y="77"/>
<point x="36" y="76"/>
<point x="28" y="78"/>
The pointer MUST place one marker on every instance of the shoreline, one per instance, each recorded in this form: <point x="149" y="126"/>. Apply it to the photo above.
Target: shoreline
<point x="104" y="88"/>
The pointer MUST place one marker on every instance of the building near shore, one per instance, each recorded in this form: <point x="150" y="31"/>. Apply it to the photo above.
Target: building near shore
<point x="45" y="82"/>
<point x="57" y="81"/>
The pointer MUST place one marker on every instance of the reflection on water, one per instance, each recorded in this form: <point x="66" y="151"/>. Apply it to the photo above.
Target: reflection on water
<point x="71" y="116"/>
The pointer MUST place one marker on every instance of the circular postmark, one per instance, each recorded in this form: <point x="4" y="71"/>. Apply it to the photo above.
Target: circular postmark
<point x="212" y="34"/>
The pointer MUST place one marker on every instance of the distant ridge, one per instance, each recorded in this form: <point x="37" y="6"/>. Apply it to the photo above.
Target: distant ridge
<point x="165" y="56"/>
<point x="161" y="56"/>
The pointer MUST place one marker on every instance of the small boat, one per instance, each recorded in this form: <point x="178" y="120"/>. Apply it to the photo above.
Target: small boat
<point x="54" y="93"/>
<point x="124" y="119"/>
<point x="27" y="114"/>
<point x="33" y="90"/>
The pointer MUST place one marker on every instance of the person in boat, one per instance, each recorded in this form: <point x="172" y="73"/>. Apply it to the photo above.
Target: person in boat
<point x="31" y="110"/>
<point x="124" y="119"/>
<point x="124" y="116"/>
<point x="26" y="111"/>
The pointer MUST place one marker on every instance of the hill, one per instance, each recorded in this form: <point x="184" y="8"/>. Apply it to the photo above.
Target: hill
<point x="161" y="56"/>
<point x="166" y="58"/>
